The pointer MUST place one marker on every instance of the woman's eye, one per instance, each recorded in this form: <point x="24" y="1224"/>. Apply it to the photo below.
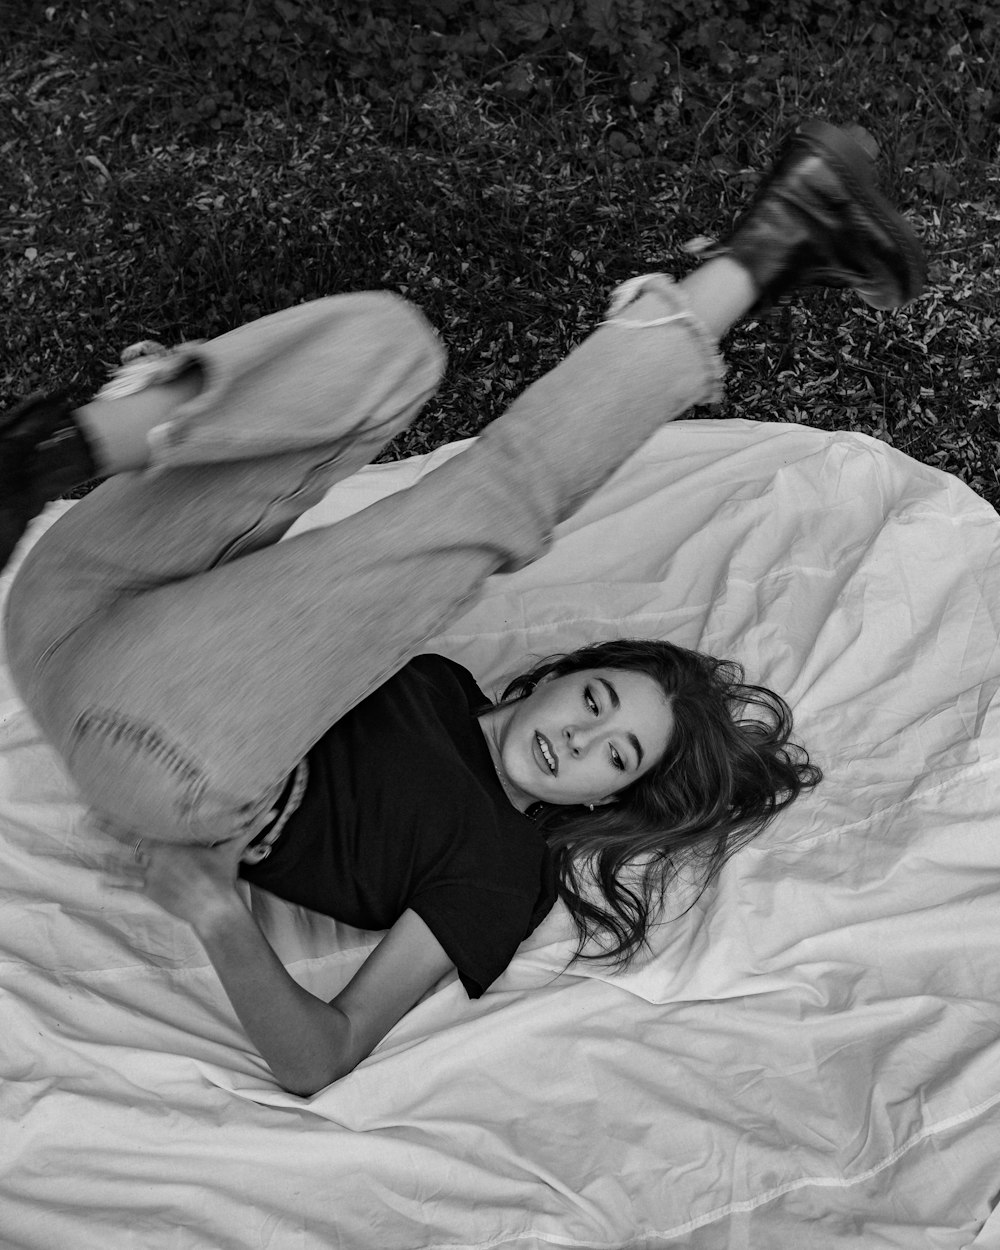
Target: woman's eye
<point x="590" y="701"/>
<point x="617" y="760"/>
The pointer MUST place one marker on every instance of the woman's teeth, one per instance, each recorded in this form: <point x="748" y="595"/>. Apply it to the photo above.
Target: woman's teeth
<point x="547" y="755"/>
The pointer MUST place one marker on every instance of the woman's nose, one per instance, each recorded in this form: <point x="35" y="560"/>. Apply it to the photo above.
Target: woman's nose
<point x="576" y="738"/>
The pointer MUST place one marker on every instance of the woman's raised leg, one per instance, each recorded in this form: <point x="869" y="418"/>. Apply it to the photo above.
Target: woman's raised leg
<point x="248" y="432"/>
<point x="206" y="691"/>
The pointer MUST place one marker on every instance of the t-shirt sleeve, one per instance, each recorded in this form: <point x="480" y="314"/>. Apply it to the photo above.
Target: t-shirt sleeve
<point x="481" y="926"/>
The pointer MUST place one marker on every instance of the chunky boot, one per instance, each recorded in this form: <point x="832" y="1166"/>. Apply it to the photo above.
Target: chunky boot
<point x="818" y="219"/>
<point x="43" y="454"/>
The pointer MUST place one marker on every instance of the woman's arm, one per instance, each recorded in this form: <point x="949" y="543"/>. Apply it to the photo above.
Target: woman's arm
<point x="306" y="1042"/>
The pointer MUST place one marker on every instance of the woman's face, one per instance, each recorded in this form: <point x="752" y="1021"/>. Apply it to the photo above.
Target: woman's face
<point x="580" y="738"/>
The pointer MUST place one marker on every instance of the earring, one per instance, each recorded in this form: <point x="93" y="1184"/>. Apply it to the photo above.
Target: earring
<point x="591" y="806"/>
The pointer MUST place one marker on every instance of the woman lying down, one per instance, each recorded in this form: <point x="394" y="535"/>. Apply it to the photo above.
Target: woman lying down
<point x="230" y="707"/>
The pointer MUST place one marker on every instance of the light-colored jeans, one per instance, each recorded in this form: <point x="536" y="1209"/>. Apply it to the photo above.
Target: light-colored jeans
<point x="182" y="663"/>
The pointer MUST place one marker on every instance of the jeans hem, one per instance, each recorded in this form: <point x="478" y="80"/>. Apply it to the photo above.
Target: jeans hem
<point x="662" y="285"/>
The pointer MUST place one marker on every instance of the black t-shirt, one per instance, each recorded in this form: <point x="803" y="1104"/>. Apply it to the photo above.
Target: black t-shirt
<point x="403" y="808"/>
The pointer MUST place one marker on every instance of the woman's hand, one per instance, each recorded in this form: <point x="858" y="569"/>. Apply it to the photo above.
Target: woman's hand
<point x="196" y="884"/>
<point x="306" y="1042"/>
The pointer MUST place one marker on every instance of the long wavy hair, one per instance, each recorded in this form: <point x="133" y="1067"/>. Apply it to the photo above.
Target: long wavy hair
<point x="729" y="767"/>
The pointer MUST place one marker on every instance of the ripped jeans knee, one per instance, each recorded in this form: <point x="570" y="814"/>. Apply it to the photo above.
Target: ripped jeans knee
<point x="139" y="782"/>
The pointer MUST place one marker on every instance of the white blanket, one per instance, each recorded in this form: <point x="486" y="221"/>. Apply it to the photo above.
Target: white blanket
<point x="811" y="1058"/>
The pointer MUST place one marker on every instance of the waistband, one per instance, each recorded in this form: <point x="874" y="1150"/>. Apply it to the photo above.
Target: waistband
<point x="285" y="806"/>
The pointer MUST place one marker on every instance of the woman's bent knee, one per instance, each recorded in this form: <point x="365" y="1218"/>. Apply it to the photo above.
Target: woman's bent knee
<point x="137" y="779"/>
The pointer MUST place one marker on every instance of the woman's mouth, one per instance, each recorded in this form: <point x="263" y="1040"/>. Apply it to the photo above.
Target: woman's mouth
<point x="548" y="756"/>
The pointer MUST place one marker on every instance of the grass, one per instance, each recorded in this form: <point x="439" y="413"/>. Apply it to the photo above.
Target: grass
<point x="507" y="215"/>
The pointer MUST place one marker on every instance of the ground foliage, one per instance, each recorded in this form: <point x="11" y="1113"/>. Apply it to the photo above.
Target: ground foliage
<point x="172" y="170"/>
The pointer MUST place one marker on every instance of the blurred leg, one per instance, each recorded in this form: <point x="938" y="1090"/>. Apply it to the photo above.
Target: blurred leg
<point x="207" y="690"/>
<point x="277" y="411"/>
